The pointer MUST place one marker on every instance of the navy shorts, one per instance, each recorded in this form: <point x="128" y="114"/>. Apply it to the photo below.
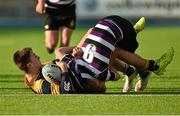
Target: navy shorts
<point x="63" y="17"/>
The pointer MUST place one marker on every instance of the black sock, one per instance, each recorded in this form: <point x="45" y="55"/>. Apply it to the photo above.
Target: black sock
<point x="50" y="51"/>
<point x="152" y="65"/>
<point x="129" y="70"/>
<point x="143" y="74"/>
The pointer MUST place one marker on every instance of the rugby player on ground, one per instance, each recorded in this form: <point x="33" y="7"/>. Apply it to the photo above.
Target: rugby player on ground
<point x="94" y="67"/>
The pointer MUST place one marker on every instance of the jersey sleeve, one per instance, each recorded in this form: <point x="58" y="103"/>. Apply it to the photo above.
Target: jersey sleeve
<point x="66" y="58"/>
<point x="41" y="86"/>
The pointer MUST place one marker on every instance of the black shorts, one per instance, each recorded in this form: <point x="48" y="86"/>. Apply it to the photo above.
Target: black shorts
<point x="128" y="41"/>
<point x="63" y="17"/>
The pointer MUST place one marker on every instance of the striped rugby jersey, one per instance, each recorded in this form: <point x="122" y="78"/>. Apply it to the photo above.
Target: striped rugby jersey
<point x="54" y="4"/>
<point x="98" y="47"/>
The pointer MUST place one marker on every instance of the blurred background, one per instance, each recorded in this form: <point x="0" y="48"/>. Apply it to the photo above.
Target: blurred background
<point x="21" y="13"/>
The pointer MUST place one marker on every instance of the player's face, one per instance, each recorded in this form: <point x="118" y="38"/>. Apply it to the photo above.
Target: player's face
<point x="35" y="60"/>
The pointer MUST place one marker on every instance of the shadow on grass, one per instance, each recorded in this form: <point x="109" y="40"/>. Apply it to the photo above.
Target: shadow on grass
<point x="160" y="90"/>
<point x="16" y="78"/>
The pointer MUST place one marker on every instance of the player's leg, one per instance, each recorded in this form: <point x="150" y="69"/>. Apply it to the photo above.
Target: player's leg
<point x="162" y="63"/>
<point x="139" y="26"/>
<point x="157" y="66"/>
<point x="128" y="43"/>
<point x="144" y="75"/>
<point x="65" y="36"/>
<point x="129" y="71"/>
<point x="51" y="40"/>
<point x="51" y="33"/>
<point x="143" y="79"/>
<point x="130" y="58"/>
<point x="132" y="45"/>
<point x="67" y="25"/>
<point x="146" y="66"/>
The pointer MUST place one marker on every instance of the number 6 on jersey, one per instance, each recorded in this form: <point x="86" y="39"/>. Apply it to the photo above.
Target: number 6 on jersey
<point x="89" y="53"/>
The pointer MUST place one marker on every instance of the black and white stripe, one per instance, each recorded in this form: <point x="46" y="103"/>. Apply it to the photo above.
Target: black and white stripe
<point x="54" y="4"/>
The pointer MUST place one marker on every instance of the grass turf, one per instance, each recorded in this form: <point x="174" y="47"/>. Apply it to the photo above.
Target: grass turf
<point x="162" y="95"/>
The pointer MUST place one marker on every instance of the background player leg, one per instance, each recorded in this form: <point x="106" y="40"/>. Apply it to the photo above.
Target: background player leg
<point x="65" y="36"/>
<point x="51" y="40"/>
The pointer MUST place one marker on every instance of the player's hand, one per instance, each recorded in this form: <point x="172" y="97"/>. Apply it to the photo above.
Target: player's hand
<point x="77" y="52"/>
<point x="40" y="8"/>
<point x="63" y="66"/>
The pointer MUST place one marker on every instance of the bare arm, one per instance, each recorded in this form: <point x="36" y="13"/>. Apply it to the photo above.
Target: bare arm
<point x="75" y="51"/>
<point x="84" y="38"/>
<point x="60" y="52"/>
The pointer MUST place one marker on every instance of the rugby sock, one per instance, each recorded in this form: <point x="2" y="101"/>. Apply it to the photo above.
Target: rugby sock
<point x="152" y="65"/>
<point x="129" y="70"/>
<point x="143" y="74"/>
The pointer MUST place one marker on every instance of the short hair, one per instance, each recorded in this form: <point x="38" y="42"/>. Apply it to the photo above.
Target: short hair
<point x="22" y="58"/>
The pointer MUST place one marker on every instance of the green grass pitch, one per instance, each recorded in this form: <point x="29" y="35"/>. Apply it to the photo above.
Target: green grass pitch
<point x="162" y="96"/>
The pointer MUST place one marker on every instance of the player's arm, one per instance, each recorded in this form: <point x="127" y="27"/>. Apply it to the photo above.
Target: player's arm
<point x="66" y="86"/>
<point x="75" y="51"/>
<point x="84" y="38"/>
<point x="40" y="7"/>
<point x="61" y="52"/>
